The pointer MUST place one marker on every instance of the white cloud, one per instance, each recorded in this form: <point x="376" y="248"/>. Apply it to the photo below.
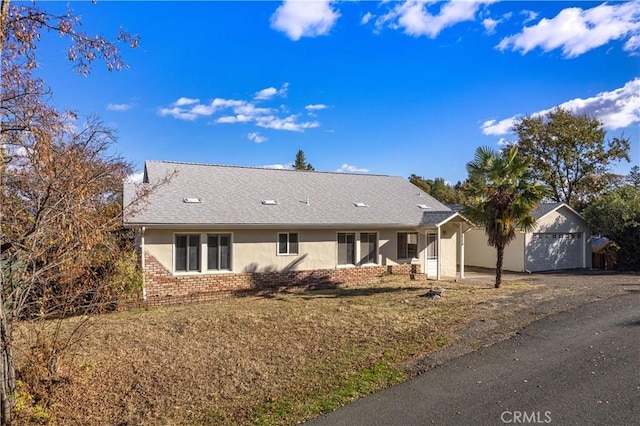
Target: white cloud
<point x="185" y="101"/>
<point x="503" y="142"/>
<point x="529" y="15"/>
<point x="270" y="92"/>
<point x="178" y="113"/>
<point x="576" y="31"/>
<point x="415" y="19"/>
<point x="256" y="137"/>
<point x="135" y="178"/>
<point x="301" y="18"/>
<point x="232" y="111"/>
<point x="347" y="168"/>
<point x="616" y="109"/>
<point x="287" y="123"/>
<point x="267" y="93"/>
<point x="315" y="107"/>
<point x="283" y="90"/>
<point x="204" y="110"/>
<point x="220" y="103"/>
<point x="366" y="18"/>
<point x="287" y="166"/>
<point x="490" y="25"/>
<point x="230" y="119"/>
<point x="633" y="43"/>
<point x="502" y="127"/>
<point x="119" y="107"/>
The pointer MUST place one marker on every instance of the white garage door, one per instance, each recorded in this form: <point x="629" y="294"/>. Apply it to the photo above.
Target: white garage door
<point x="549" y="251"/>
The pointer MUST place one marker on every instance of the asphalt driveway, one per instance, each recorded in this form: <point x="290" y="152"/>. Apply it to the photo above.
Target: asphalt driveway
<point x="577" y="367"/>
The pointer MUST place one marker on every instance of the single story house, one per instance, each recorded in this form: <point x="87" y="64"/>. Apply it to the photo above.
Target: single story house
<point x="560" y="240"/>
<point x="205" y="229"/>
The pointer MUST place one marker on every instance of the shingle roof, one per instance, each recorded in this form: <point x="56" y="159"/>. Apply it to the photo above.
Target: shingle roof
<point x="232" y="195"/>
<point x="543" y="209"/>
<point x="433" y="218"/>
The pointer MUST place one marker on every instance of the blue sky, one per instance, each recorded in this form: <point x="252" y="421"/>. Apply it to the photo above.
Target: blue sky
<point x="396" y="87"/>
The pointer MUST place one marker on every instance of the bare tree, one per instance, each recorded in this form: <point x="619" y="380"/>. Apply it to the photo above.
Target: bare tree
<point x="59" y="208"/>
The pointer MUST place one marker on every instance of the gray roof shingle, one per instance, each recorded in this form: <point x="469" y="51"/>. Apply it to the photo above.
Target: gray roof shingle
<point x="232" y="195"/>
<point x="543" y="209"/>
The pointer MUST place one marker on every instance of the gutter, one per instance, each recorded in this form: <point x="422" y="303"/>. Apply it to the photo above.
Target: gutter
<point x="143" y="264"/>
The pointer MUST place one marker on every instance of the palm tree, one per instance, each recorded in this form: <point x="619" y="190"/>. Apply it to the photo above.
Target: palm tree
<point x="502" y="194"/>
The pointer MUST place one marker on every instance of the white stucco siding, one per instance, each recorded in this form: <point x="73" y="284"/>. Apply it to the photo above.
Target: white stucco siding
<point x="159" y="244"/>
<point x="448" y="249"/>
<point x="256" y="250"/>
<point x="561" y="240"/>
<point x="561" y="220"/>
<point x="388" y="246"/>
<point x="479" y="253"/>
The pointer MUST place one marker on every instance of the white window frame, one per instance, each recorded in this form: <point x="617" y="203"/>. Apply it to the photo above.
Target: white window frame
<point x="288" y="252"/>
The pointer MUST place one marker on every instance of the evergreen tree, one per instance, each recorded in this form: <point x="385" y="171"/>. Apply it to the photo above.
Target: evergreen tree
<point x="301" y="162"/>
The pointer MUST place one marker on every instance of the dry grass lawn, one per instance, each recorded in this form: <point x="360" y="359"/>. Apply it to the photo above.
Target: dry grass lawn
<point x="265" y="359"/>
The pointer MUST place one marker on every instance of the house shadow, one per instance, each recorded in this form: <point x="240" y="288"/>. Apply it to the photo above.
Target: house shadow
<point x="343" y="292"/>
<point x="270" y="280"/>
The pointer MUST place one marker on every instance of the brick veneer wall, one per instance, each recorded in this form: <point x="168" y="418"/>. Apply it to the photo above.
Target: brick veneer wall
<point x="162" y="287"/>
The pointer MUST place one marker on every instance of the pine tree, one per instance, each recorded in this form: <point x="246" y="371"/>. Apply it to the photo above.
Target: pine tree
<point x="301" y="162"/>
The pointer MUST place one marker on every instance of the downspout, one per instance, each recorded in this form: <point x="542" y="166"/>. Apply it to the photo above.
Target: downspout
<point x="584" y="250"/>
<point x="424" y="255"/>
<point x="143" y="264"/>
<point x="524" y="252"/>
<point x="461" y="250"/>
<point x="438" y="274"/>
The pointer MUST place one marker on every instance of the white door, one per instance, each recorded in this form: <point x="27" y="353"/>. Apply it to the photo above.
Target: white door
<point x="555" y="251"/>
<point x="432" y="255"/>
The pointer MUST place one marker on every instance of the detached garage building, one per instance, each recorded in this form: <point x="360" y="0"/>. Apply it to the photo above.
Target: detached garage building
<point x="561" y="240"/>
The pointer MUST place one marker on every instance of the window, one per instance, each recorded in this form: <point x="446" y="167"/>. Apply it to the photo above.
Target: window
<point x="432" y="246"/>
<point x="187" y="252"/>
<point x="288" y="243"/>
<point x="346" y="248"/>
<point x="368" y="247"/>
<point x="407" y="245"/>
<point x="219" y="252"/>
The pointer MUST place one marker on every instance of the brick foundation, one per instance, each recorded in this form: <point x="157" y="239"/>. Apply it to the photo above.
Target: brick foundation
<point x="162" y="287"/>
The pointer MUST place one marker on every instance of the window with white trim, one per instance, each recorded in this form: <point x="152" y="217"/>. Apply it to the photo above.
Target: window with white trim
<point x="219" y="252"/>
<point x="288" y="243"/>
<point x="407" y="245"/>
<point x="187" y="252"/>
<point x="346" y="248"/>
<point x="368" y="248"/>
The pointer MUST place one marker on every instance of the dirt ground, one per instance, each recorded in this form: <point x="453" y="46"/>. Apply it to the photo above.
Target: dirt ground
<point x="572" y="289"/>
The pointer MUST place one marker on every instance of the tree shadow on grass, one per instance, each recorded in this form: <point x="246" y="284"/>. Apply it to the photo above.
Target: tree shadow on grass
<point x="353" y="292"/>
<point x="634" y="323"/>
<point x="322" y="290"/>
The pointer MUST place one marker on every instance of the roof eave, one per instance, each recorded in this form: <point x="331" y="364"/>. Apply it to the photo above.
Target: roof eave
<point x="272" y="225"/>
<point x="557" y="208"/>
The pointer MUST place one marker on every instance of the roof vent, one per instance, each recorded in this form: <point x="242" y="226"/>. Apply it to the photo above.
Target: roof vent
<point x="359" y="204"/>
<point x="423" y="206"/>
<point x="191" y="200"/>
<point x="269" y="202"/>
